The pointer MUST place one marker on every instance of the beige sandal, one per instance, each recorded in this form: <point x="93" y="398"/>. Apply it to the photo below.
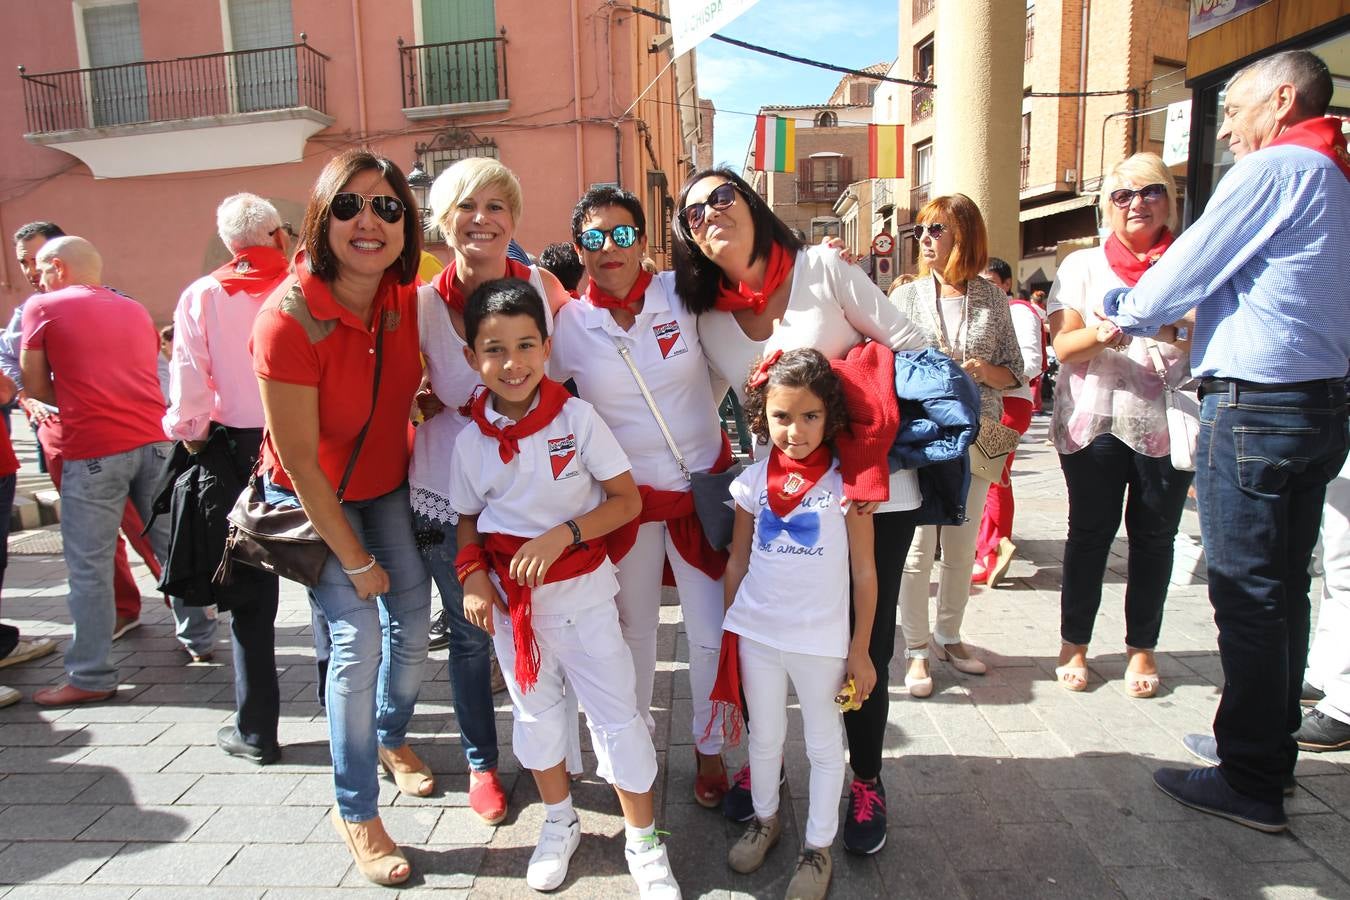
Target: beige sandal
<point x="1148" y="682"/>
<point x="411" y="775"/>
<point x="1063" y="674"/>
<point x="377" y="867"/>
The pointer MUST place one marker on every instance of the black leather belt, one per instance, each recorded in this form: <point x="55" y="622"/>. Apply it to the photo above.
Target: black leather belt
<point x="1228" y="385"/>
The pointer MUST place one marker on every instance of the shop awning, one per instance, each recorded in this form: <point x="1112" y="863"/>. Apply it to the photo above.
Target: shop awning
<point x="1054" y="209"/>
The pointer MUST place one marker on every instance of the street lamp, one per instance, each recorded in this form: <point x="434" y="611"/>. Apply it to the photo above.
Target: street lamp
<point x="420" y="182"/>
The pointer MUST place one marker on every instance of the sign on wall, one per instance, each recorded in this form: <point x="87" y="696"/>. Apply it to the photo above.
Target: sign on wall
<point x="1206" y="14"/>
<point x="692" y="21"/>
<point x="1177" y="137"/>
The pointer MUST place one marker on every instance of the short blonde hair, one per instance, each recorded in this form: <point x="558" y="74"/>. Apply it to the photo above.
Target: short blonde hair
<point x="1142" y="169"/>
<point x="468" y="177"/>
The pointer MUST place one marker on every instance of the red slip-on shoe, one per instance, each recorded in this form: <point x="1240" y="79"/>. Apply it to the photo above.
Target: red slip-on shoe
<point x="486" y="797"/>
<point x="69" y="695"/>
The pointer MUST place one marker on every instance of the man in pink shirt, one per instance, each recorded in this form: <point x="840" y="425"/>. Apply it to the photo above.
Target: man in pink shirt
<point x="91" y="352"/>
<point x="215" y="409"/>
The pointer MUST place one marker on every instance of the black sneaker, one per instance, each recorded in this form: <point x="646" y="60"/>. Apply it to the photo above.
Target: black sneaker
<point x="865" y="824"/>
<point x="440" y="632"/>
<point x="1208" y="791"/>
<point x="1206" y="749"/>
<point x="1320" y="733"/>
<point x="233" y="743"/>
<point x="1310" y="696"/>
<point x="737" y="804"/>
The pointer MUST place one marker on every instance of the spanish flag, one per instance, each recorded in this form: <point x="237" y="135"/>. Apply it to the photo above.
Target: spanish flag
<point x="775" y="143"/>
<point x="885" y="151"/>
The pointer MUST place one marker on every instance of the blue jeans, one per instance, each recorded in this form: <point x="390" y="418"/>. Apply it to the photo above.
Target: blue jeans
<point x="379" y="646"/>
<point x="1263" y="463"/>
<point x="470" y="647"/>
<point x="94" y="493"/>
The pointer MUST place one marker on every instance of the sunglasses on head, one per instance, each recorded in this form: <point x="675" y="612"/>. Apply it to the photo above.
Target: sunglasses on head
<point x="593" y="239"/>
<point x="348" y="205"/>
<point x="721" y="198"/>
<point x="1123" y="197"/>
<point x="935" y="230"/>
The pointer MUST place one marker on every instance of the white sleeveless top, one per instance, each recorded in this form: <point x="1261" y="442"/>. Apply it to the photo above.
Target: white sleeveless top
<point x="454" y="383"/>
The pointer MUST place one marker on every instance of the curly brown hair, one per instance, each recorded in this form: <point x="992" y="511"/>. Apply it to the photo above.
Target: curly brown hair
<point x="799" y="369"/>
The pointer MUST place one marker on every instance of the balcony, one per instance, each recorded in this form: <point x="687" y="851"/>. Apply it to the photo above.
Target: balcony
<point x="1030" y="49"/>
<point x="922" y="8"/>
<point x="819" y="191"/>
<point x="1025" y="167"/>
<point x="454" y="78"/>
<point x="918" y="196"/>
<point x="921" y="104"/>
<point x="193" y="113"/>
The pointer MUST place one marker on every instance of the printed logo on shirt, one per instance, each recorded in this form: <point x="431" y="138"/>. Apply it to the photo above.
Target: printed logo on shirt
<point x="560" y="453"/>
<point x="669" y="339"/>
<point x="392" y="319"/>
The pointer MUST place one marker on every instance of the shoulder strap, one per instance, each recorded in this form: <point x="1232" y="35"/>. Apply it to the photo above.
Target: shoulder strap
<point x="651" y="404"/>
<point x="374" y="396"/>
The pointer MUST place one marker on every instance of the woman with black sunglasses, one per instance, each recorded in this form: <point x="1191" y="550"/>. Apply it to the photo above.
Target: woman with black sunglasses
<point x="757" y="289"/>
<point x="1110" y="426"/>
<point x="336" y="354"/>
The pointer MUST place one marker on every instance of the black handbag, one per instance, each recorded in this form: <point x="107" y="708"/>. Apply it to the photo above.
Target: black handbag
<point x="282" y="540"/>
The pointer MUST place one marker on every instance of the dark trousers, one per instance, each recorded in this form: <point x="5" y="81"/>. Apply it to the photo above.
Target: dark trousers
<point x="866" y="727"/>
<point x="1103" y="477"/>
<point x="1262" y="467"/>
<point x="9" y="635"/>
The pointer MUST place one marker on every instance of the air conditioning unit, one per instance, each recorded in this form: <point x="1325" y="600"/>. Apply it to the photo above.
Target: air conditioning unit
<point x="1070" y="176"/>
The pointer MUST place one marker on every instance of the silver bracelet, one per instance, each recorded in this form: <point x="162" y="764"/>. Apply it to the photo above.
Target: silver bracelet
<point x="363" y="569"/>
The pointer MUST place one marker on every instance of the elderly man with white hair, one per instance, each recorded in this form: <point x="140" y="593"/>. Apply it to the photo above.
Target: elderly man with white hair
<point x="215" y="410"/>
<point x="91" y="352"/>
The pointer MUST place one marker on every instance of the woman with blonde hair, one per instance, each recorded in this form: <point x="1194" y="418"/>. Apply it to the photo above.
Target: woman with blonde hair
<point x="1110" y="426"/>
<point x="476" y="204"/>
<point x="967" y="318"/>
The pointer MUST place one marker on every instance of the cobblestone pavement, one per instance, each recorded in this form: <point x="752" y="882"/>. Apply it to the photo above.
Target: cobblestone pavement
<point x="999" y="786"/>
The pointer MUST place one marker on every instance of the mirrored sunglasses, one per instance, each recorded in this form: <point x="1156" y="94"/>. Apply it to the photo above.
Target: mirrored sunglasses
<point x="1149" y="193"/>
<point x="593" y="239"/>
<point x="348" y="205"/>
<point x="721" y="198"/>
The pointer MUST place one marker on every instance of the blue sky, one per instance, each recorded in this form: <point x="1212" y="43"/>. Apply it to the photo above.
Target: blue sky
<point x="857" y="33"/>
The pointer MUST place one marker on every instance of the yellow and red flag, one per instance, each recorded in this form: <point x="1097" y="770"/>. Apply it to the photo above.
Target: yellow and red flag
<point x="885" y="151"/>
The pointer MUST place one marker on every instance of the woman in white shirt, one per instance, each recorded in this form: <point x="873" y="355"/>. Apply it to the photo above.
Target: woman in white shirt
<point x="1110" y="427"/>
<point x="756" y="289"/>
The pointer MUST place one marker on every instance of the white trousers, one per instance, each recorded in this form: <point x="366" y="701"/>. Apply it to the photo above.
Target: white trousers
<point x="1329" y="655"/>
<point x="816" y="679"/>
<point x="639" y="602"/>
<point x="958" y="560"/>
<point x="587" y="649"/>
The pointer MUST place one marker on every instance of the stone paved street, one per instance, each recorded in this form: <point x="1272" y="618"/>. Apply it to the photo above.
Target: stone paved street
<point x="999" y="786"/>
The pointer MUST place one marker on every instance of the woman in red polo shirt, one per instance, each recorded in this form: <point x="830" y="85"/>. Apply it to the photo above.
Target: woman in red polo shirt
<point x="347" y="323"/>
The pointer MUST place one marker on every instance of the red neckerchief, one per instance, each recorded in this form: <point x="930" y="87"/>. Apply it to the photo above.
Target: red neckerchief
<point x="601" y="300"/>
<point x="453" y="295"/>
<point x="552" y="396"/>
<point x="676" y="509"/>
<point x="792" y="479"/>
<point x="731" y="298"/>
<point x="1128" y="267"/>
<point x="1323" y="135"/>
<point x="253" y="269"/>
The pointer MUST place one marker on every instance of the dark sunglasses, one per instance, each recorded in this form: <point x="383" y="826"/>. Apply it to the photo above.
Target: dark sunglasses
<point x="935" y="230"/>
<point x="624" y="236"/>
<point x="1123" y="197"/>
<point x="348" y="205"/>
<point x="284" y="226"/>
<point x="721" y="198"/>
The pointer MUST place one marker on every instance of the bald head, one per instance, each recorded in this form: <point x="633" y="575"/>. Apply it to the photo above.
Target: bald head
<point x="67" y="261"/>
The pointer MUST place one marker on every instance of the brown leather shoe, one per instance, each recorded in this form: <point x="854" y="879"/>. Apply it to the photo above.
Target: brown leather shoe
<point x="70" y="695"/>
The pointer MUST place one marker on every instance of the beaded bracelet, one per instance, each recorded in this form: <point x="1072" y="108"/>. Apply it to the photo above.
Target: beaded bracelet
<point x="361" y="570"/>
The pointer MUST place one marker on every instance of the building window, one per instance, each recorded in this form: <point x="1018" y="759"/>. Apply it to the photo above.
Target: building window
<point x="266" y="77"/>
<point x="923" y="177"/>
<point x="827" y="119"/>
<point x="823" y="177"/>
<point x="459" y="57"/>
<point x="1168" y="85"/>
<point x="1031" y="33"/>
<point x="658" y="202"/>
<point x="1026" y="150"/>
<point x="112" y="36"/>
<point x="923" y="60"/>
<point x="822" y="228"/>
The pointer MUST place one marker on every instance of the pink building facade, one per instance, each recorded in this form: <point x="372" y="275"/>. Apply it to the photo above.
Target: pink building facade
<point x="130" y="121"/>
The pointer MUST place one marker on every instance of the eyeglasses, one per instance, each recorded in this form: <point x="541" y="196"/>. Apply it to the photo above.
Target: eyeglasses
<point x="935" y="231"/>
<point x="286" y="227"/>
<point x="624" y="236"/>
<point x="1149" y="193"/>
<point x="348" y="205"/>
<point x="721" y="198"/>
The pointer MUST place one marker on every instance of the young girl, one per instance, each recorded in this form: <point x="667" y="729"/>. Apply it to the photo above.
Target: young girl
<point x="794" y="547"/>
<point x="540" y="486"/>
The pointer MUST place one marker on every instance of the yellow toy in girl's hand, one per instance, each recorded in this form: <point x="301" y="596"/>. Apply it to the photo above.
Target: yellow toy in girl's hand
<point x="847" y="698"/>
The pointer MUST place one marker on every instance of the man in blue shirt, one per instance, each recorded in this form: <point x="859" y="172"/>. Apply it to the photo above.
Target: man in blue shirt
<point x="1267" y="271"/>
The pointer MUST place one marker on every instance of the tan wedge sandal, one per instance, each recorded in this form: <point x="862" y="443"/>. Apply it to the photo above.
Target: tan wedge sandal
<point x="379" y="868"/>
<point x="408" y="771"/>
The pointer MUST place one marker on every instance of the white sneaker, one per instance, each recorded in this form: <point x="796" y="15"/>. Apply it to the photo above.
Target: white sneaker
<point x="9" y="696"/>
<point x="650" y="868"/>
<point x="548" y="864"/>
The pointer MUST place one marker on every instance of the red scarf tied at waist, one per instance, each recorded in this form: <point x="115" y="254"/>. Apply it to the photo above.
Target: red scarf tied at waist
<point x="731" y="298"/>
<point x="453" y="294"/>
<point x="1322" y="134"/>
<point x="1128" y="267"/>
<point x="602" y="300"/>
<point x="253" y="269"/>
<point x="676" y="509"/>
<point x="552" y="396"/>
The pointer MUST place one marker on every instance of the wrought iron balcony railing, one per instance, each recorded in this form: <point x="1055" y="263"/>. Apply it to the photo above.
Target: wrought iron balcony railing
<point x="212" y="84"/>
<point x="453" y="72"/>
<point x="1025" y="168"/>
<point x="923" y="8"/>
<point x="918" y="196"/>
<point x="922" y="104"/>
<point x="819" y="191"/>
